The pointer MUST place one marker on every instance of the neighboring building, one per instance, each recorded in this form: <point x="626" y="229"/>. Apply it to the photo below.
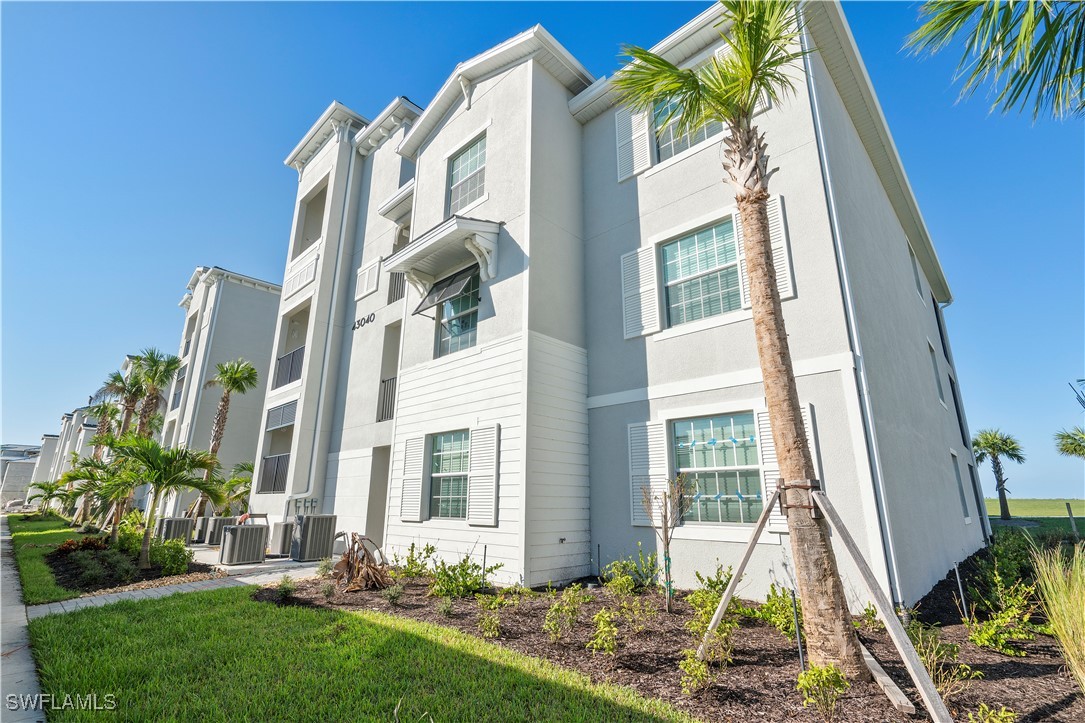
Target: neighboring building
<point x="228" y="316"/>
<point x="43" y="463"/>
<point x="76" y="430"/>
<point x="17" y="463"/>
<point x="575" y="326"/>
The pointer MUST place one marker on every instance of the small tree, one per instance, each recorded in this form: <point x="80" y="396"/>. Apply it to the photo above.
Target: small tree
<point x="47" y="493"/>
<point x="665" y="511"/>
<point x="994" y="444"/>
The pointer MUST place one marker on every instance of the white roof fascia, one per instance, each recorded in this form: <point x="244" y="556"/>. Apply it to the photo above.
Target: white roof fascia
<point x="535" y="42"/>
<point x="386" y="122"/>
<point x="320" y="132"/>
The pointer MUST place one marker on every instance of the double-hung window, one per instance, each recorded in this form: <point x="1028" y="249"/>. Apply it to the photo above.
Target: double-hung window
<point x="669" y="142"/>
<point x="467" y="176"/>
<point x="457" y="319"/>
<point x="449" y="460"/>
<point x="701" y="274"/>
<point x="719" y="457"/>
<point x="178" y="388"/>
<point x="960" y="486"/>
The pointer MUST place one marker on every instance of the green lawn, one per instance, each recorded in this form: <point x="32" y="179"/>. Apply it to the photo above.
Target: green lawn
<point x="218" y="655"/>
<point x="1038" y="508"/>
<point x="31" y="542"/>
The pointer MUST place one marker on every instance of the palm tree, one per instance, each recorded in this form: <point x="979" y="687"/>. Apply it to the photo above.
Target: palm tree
<point x="1030" y="52"/>
<point x="235" y="377"/>
<point x="996" y="445"/>
<point x="128" y="390"/>
<point x="155" y="371"/>
<point x="48" y="492"/>
<point x="166" y="470"/>
<point x="763" y="48"/>
<point x="106" y="412"/>
<point x="238" y="488"/>
<point x="1071" y="442"/>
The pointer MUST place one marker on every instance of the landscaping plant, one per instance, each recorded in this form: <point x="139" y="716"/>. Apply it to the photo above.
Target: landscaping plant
<point x="950" y="677"/>
<point x="696" y="674"/>
<point x="171" y="555"/>
<point x="445" y="607"/>
<point x="418" y="561"/>
<point x="324" y="567"/>
<point x="1009" y="617"/>
<point x="489" y="619"/>
<point x="328" y="590"/>
<point x="1061" y="581"/>
<point x="665" y="510"/>
<point x="286" y="587"/>
<point x="778" y="612"/>
<point x="358" y="568"/>
<point x="821" y="687"/>
<point x="563" y="613"/>
<point x="868" y="620"/>
<point x="643" y="569"/>
<point x="605" y="637"/>
<point x="393" y="593"/>
<point x="987" y="714"/>
<point x="460" y="579"/>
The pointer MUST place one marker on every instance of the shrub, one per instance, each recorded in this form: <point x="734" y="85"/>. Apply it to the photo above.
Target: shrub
<point x="605" y="637"/>
<point x="822" y="688"/>
<point x="563" y="613"/>
<point x="621" y="586"/>
<point x="324" y="567"/>
<point x="696" y="675"/>
<point x="1061" y="581"/>
<point x="84" y="543"/>
<point x="286" y="587"/>
<point x="940" y="659"/>
<point x="328" y="590"/>
<point x="987" y="714"/>
<point x="643" y="569"/>
<point x="704" y="602"/>
<point x="445" y="607"/>
<point x="718" y="582"/>
<point x="122" y="567"/>
<point x="489" y="619"/>
<point x="129" y="540"/>
<point x="393" y="593"/>
<point x="417" y="563"/>
<point x="90" y="571"/>
<point x="1009" y="616"/>
<point x="461" y="579"/>
<point x="778" y="612"/>
<point x="868" y="620"/>
<point x="172" y="555"/>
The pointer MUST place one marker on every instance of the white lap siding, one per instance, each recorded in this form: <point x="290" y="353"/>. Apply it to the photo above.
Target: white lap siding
<point x="476" y="388"/>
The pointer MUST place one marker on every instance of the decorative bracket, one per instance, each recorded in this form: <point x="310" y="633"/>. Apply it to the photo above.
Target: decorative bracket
<point x="465" y="87"/>
<point x="419" y="281"/>
<point x="298" y="166"/>
<point x="483" y="246"/>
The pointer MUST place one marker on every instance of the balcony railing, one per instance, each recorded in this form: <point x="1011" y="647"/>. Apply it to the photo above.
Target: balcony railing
<point x="273" y="473"/>
<point x="288" y="367"/>
<point x="386" y="400"/>
<point x="397" y="286"/>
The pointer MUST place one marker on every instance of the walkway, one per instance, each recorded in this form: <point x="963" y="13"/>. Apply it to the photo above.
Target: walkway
<point x="17" y="673"/>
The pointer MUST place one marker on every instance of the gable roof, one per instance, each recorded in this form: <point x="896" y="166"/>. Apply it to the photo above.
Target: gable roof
<point x="535" y="42"/>
<point x="321" y="131"/>
<point x="399" y="111"/>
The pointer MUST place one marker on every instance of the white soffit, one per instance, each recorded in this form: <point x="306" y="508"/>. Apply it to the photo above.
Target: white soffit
<point x="323" y="129"/>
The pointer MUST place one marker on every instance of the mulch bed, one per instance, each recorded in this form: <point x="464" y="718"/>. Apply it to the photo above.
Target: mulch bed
<point x="68" y="575"/>
<point x="760" y="684"/>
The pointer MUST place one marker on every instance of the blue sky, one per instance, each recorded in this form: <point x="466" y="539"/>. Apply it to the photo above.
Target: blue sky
<point x="142" y="140"/>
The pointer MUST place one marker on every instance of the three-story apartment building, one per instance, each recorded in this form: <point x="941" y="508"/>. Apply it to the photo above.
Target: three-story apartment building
<point x="574" y="325"/>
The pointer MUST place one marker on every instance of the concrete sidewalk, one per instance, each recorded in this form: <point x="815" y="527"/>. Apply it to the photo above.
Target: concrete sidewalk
<point x="18" y="676"/>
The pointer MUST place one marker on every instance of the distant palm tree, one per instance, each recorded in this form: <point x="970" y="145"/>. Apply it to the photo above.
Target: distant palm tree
<point x="127" y="390"/>
<point x="107" y="413"/>
<point x="761" y="61"/>
<point x="166" y="470"/>
<point x="996" y="445"/>
<point x="1032" y="53"/>
<point x="235" y="377"/>
<point x="1071" y="442"/>
<point x="238" y="488"/>
<point x="155" y="371"/>
<point x="48" y="493"/>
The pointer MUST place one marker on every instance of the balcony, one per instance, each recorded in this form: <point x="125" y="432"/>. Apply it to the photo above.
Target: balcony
<point x="386" y="400"/>
<point x="397" y="287"/>
<point x="273" y="473"/>
<point x="288" y="367"/>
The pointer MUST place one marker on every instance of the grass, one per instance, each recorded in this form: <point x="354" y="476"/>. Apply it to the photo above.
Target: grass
<point x="218" y="655"/>
<point x="1038" y="508"/>
<point x="31" y="540"/>
<point x="1061" y="581"/>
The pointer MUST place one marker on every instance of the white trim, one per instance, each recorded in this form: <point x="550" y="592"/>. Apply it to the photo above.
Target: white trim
<point x="704" y="145"/>
<point x="471" y="206"/>
<point x="710" y="218"/>
<point x="729" y="532"/>
<point x="841" y="362"/>
<point x="709" y="322"/>
<point x="708" y="410"/>
<point x="463" y="146"/>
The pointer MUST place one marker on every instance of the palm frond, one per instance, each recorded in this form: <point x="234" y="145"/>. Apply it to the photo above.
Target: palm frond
<point x="1071" y="442"/>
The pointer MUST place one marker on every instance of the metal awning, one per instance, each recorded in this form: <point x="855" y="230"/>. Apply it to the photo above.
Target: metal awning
<point x="447" y="289"/>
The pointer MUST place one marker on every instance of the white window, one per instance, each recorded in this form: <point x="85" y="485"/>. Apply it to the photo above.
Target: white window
<point x="668" y="142"/>
<point x="937" y="375"/>
<point x="178" y="387"/>
<point x="960" y="486"/>
<point x="915" y="272"/>
<point x="457" y="317"/>
<point x="449" y="465"/>
<point x="467" y="176"/>
<point x="701" y="274"/>
<point x="719" y="456"/>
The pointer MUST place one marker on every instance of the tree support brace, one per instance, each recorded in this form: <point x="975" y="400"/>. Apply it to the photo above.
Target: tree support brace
<point x="809" y="485"/>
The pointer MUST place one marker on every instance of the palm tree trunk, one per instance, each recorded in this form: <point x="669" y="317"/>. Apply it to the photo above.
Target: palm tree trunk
<point x="145" y="548"/>
<point x="830" y="637"/>
<point x="126" y="421"/>
<point x="1000" y="485"/>
<point x="146" y="411"/>
<point x="218" y="430"/>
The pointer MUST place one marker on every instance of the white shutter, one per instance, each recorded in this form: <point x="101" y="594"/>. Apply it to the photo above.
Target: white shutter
<point x="640" y="301"/>
<point x="368" y="278"/>
<point x="410" y="490"/>
<point x="633" y="139"/>
<point x="781" y="252"/>
<point x="647" y="465"/>
<point x="770" y="465"/>
<point x="482" y="477"/>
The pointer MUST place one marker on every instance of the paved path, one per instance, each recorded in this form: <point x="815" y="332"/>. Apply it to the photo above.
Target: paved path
<point x="17" y="672"/>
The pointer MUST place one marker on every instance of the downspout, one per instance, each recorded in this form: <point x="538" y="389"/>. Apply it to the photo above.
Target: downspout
<point x="862" y="385"/>
<point x="328" y="337"/>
